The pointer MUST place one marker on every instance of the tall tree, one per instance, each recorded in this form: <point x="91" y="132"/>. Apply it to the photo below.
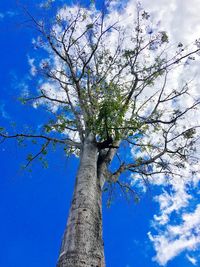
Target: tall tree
<point x="108" y="83"/>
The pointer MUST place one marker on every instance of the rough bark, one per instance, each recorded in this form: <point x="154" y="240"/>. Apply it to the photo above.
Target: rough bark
<point x="82" y="244"/>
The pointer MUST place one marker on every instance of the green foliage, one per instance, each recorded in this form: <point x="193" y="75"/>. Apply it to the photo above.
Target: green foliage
<point x="129" y="53"/>
<point x="145" y="15"/>
<point x="139" y="160"/>
<point x="164" y="37"/>
<point x="22" y="100"/>
<point x="34" y="141"/>
<point x="44" y="152"/>
<point x="136" y="199"/>
<point x="189" y="133"/>
<point x="111" y="113"/>
<point x="60" y="124"/>
<point x="44" y="162"/>
<point x="29" y="157"/>
<point x="89" y="26"/>
<point x="47" y="128"/>
<point x="20" y="141"/>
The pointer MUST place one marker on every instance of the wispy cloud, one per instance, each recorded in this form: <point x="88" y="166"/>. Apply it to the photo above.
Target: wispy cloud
<point x="7" y="14"/>
<point x="191" y="259"/>
<point x="46" y="4"/>
<point x="31" y="62"/>
<point x="3" y="112"/>
<point x="1" y="16"/>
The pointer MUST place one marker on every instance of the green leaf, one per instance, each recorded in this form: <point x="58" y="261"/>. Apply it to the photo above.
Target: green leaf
<point x="164" y="37"/>
<point x="189" y="133"/>
<point x="136" y="199"/>
<point x="22" y="100"/>
<point x="44" y="152"/>
<point x="84" y="16"/>
<point x="139" y="160"/>
<point x="34" y="142"/>
<point x="47" y="128"/>
<point x="29" y="157"/>
<point x="45" y="164"/>
<point x="145" y="15"/>
<point x="89" y="26"/>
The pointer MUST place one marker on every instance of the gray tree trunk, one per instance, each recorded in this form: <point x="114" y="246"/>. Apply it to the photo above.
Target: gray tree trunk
<point x="82" y="244"/>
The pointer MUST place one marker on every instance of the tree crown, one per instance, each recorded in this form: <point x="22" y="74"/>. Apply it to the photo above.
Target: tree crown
<point x="120" y="79"/>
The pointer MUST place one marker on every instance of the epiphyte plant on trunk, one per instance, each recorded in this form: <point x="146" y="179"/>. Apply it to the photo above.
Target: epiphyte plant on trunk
<point x="106" y="83"/>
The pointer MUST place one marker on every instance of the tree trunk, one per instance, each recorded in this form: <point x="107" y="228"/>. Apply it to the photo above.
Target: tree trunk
<point x="82" y="244"/>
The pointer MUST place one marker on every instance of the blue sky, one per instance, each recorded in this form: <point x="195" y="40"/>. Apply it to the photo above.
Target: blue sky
<point x="34" y="204"/>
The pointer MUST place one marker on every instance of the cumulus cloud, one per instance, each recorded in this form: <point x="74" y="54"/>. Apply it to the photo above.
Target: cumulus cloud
<point x="177" y="238"/>
<point x="180" y="18"/>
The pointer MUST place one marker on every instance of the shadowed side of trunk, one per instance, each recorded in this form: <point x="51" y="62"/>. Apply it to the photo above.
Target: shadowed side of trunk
<point x="82" y="244"/>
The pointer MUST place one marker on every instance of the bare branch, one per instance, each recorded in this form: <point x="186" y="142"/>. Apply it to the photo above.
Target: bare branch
<point x="65" y="141"/>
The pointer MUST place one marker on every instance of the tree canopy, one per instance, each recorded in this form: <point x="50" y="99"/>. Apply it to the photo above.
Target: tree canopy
<point x="114" y="76"/>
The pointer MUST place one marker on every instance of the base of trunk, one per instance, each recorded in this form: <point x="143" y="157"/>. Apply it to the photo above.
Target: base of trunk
<point x="80" y="260"/>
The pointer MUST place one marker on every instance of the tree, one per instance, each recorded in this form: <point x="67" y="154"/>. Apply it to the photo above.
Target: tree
<point x="107" y="86"/>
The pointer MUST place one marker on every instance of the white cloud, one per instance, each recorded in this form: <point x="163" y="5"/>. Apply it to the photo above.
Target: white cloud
<point x="46" y="3"/>
<point x="7" y="14"/>
<point x="2" y="16"/>
<point x="191" y="259"/>
<point x="33" y="69"/>
<point x="3" y="112"/>
<point x="177" y="238"/>
<point x="179" y="17"/>
<point x="53" y="91"/>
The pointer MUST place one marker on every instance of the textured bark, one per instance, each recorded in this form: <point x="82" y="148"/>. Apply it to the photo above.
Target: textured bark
<point x="82" y="244"/>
